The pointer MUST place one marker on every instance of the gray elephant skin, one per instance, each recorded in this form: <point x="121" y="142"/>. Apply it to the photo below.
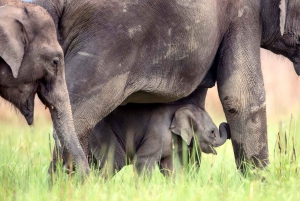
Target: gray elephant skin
<point x="149" y="134"/>
<point x="155" y="51"/>
<point x="32" y="62"/>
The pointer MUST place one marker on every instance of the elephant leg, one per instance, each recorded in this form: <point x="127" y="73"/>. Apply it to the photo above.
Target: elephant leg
<point x="166" y="166"/>
<point x="241" y="90"/>
<point x="148" y="155"/>
<point x="113" y="161"/>
<point x="107" y="153"/>
<point x="96" y="104"/>
<point x="145" y="164"/>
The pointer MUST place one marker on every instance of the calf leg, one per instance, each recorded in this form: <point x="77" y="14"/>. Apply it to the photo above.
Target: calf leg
<point x="148" y="155"/>
<point x="107" y="153"/>
<point x="166" y="166"/>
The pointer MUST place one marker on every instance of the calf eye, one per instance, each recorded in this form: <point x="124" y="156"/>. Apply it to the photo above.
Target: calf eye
<point x="55" y="61"/>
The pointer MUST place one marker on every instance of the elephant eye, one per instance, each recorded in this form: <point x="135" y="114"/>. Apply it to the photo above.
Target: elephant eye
<point x="55" y="62"/>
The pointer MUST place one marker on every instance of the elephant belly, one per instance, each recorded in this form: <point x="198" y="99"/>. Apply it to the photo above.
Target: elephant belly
<point x="173" y="55"/>
<point x="159" y="51"/>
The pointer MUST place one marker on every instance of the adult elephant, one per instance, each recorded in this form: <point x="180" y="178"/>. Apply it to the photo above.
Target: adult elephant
<point x="119" y="51"/>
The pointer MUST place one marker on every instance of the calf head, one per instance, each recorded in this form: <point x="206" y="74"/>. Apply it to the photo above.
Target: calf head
<point x="193" y="122"/>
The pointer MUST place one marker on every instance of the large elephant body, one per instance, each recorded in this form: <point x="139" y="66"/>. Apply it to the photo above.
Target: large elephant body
<point x="32" y="62"/>
<point x="120" y="51"/>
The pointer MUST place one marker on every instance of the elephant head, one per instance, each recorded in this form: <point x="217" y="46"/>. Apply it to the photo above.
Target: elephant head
<point x="284" y="38"/>
<point x="32" y="62"/>
<point x="193" y="122"/>
<point x="31" y="58"/>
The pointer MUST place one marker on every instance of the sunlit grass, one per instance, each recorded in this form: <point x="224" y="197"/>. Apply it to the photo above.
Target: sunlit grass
<point x="25" y="156"/>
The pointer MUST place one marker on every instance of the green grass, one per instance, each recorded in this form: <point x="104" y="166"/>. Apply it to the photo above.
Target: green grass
<point x="25" y="156"/>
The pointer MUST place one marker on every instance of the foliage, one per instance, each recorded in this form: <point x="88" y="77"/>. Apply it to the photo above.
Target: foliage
<point x="25" y="154"/>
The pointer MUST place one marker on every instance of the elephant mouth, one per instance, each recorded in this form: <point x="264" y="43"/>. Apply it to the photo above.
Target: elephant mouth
<point x="45" y="102"/>
<point x="29" y="118"/>
<point x="27" y="110"/>
<point x="213" y="151"/>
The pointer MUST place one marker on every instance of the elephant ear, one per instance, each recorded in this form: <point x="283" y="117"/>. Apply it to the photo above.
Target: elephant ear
<point x="182" y="124"/>
<point x="283" y="8"/>
<point x="13" y="38"/>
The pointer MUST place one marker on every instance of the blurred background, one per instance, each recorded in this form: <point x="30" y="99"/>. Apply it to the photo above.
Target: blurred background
<point x="282" y="89"/>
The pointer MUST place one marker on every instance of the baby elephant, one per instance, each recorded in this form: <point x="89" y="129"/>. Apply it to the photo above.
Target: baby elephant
<point x="145" y="134"/>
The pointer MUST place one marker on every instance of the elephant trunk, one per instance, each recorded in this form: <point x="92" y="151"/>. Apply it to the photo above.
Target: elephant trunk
<point x="224" y="132"/>
<point x="58" y="102"/>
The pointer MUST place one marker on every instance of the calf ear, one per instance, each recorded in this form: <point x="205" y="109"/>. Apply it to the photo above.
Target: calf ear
<point x="182" y="124"/>
<point x="13" y="38"/>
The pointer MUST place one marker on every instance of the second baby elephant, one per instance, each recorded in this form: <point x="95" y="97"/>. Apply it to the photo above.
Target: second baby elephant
<point x="144" y="133"/>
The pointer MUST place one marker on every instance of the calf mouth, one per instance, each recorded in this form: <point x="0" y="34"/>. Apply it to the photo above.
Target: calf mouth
<point x="213" y="151"/>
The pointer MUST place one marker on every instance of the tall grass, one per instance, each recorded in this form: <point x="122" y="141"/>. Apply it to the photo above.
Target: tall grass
<point x="25" y="156"/>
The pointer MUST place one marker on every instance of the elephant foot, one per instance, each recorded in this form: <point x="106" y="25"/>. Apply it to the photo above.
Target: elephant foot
<point x="244" y="163"/>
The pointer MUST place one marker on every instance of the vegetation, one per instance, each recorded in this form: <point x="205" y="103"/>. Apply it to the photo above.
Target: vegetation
<point x="25" y="154"/>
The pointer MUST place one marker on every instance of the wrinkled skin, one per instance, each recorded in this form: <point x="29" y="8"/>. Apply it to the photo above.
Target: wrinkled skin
<point x="159" y="51"/>
<point x="150" y="133"/>
<point x="32" y="62"/>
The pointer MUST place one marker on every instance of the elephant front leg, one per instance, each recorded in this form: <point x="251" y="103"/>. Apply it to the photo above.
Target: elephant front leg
<point x="148" y="154"/>
<point x="167" y="166"/>
<point x="95" y="105"/>
<point x="241" y="91"/>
